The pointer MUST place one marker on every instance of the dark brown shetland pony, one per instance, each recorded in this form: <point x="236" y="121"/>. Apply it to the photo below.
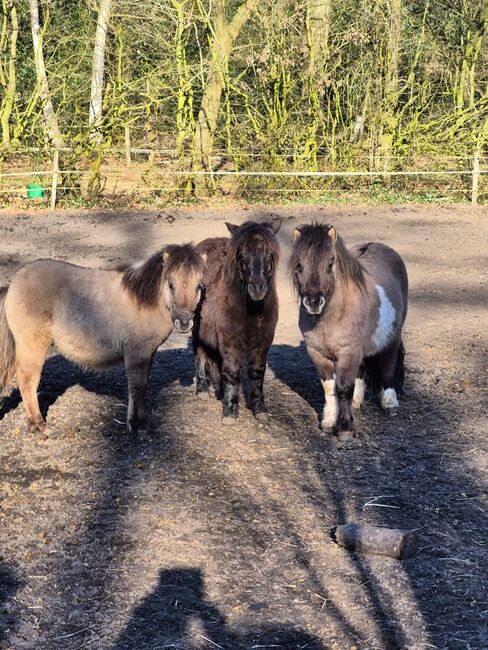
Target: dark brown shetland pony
<point x="238" y="315"/>
<point x="352" y="310"/>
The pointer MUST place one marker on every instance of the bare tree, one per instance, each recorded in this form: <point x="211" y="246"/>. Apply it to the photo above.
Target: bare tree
<point x="50" y="119"/>
<point x="98" y="68"/>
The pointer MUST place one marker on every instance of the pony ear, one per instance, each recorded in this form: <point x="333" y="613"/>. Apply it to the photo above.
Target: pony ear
<point x="231" y="227"/>
<point x="165" y="257"/>
<point x="204" y="257"/>
<point x="297" y="233"/>
<point x="274" y="225"/>
<point x="332" y="233"/>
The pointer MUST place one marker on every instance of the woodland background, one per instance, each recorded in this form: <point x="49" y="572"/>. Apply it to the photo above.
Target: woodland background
<point x="215" y="85"/>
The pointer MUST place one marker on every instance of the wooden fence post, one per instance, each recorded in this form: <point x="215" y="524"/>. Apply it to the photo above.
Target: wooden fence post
<point x="54" y="187"/>
<point x="476" y="177"/>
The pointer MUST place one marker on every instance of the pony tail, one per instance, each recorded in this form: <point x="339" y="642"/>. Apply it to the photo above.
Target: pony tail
<point x="7" y="344"/>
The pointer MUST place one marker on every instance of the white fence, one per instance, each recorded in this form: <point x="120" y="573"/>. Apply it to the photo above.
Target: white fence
<point x="55" y="172"/>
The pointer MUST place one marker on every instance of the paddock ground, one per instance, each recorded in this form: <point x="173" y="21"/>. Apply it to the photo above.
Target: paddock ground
<point x="213" y="537"/>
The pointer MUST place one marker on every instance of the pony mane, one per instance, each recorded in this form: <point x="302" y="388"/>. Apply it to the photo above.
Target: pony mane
<point x="240" y="236"/>
<point x="143" y="279"/>
<point x="314" y="239"/>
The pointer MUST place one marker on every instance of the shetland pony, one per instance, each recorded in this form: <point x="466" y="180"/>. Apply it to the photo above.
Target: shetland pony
<point x="96" y="318"/>
<point x="353" y="304"/>
<point x="237" y="318"/>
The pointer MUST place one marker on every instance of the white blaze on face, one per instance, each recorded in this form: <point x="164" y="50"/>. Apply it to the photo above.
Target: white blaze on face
<point x="384" y="329"/>
<point x="331" y="409"/>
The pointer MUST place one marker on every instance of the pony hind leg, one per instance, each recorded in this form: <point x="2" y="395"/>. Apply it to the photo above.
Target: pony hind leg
<point x="390" y="362"/>
<point x="207" y="375"/>
<point x="29" y="362"/>
<point x="201" y="374"/>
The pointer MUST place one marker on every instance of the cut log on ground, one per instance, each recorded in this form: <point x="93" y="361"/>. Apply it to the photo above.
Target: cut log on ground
<point x="393" y="542"/>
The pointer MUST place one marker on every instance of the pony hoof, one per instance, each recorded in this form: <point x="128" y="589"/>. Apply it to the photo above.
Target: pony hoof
<point x="203" y="396"/>
<point x="327" y="428"/>
<point x="36" y="426"/>
<point x="345" y="437"/>
<point x="229" y="420"/>
<point x="262" y="416"/>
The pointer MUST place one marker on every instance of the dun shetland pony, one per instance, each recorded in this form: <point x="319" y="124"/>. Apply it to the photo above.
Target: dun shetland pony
<point x="238" y="315"/>
<point x="96" y="318"/>
<point x="353" y="306"/>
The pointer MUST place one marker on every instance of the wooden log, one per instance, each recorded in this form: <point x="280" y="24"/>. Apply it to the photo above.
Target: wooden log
<point x="393" y="542"/>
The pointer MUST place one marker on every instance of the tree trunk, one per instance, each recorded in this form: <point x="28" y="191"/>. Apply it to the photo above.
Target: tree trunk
<point x="389" y="118"/>
<point x="98" y="69"/>
<point x="317" y="35"/>
<point x="317" y="24"/>
<point x="8" y="79"/>
<point x="223" y="37"/>
<point x="50" y="119"/>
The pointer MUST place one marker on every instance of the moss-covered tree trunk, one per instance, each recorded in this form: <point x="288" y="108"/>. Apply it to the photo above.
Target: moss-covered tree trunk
<point x="51" y="125"/>
<point x="8" y="73"/>
<point x="317" y="19"/>
<point x="389" y="116"/>
<point x="223" y="35"/>
<point x="98" y="68"/>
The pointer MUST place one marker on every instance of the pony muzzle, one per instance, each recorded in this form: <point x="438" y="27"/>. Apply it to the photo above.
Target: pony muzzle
<point x="183" y="325"/>
<point x="257" y="290"/>
<point x="314" y="304"/>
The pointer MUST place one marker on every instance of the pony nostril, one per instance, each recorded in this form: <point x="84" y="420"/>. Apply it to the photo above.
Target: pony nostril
<point x="177" y="323"/>
<point x="321" y="302"/>
<point x="306" y="302"/>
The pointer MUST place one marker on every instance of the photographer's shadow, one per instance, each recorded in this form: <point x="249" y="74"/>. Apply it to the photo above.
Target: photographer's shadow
<point x="164" y="619"/>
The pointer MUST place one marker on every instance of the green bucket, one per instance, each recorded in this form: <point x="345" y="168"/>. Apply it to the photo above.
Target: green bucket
<point x="35" y="191"/>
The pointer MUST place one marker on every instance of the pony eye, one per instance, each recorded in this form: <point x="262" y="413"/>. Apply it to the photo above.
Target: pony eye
<point x="171" y="285"/>
<point x="200" y="287"/>
<point x="298" y="268"/>
<point x="330" y="265"/>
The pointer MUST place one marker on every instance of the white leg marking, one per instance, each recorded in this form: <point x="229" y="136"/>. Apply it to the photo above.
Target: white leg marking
<point x="359" y="390"/>
<point x="331" y="409"/>
<point x="386" y="320"/>
<point x="389" y="399"/>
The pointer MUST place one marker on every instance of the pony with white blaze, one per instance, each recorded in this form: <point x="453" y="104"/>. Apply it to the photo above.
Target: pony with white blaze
<point x="353" y="304"/>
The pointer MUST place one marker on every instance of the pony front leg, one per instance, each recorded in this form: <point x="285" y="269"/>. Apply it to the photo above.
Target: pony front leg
<point x="346" y="373"/>
<point x="231" y="378"/>
<point x="137" y="370"/>
<point x="255" y="370"/>
<point x="325" y="368"/>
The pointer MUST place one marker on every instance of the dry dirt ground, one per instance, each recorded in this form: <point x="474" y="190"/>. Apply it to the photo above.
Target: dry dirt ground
<point x="213" y="537"/>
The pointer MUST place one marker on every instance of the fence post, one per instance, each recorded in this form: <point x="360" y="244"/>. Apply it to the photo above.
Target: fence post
<point x="128" y="158"/>
<point x="54" y="187"/>
<point x="476" y="177"/>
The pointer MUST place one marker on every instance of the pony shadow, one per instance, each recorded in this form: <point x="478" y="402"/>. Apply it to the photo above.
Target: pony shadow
<point x="164" y="617"/>
<point x="294" y="368"/>
<point x="59" y="374"/>
<point x="8" y="586"/>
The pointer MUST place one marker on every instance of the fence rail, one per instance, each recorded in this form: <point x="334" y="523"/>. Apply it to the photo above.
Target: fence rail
<point x="55" y="172"/>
